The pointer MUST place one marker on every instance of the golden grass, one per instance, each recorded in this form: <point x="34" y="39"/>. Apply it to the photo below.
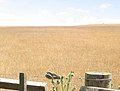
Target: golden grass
<point x="36" y="50"/>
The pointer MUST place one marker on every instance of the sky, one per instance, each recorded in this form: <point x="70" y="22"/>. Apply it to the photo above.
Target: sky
<point x="58" y="12"/>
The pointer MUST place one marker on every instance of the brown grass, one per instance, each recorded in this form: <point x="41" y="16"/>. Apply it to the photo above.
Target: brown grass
<point x="36" y="50"/>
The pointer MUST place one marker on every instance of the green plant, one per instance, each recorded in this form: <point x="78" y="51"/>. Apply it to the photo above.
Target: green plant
<point x="118" y="88"/>
<point x="61" y="82"/>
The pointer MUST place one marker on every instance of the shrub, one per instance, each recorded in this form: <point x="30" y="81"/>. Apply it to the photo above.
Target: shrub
<point x="60" y="82"/>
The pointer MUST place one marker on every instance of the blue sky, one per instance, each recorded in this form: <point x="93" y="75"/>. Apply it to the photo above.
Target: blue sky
<point x="58" y="12"/>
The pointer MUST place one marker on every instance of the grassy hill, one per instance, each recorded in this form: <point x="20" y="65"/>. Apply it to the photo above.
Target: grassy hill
<point x="36" y="50"/>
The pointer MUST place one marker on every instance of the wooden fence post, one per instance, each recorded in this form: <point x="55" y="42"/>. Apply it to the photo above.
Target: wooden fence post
<point x="22" y="82"/>
<point x="97" y="79"/>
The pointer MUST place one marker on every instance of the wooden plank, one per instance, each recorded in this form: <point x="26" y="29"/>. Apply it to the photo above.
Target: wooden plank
<point x="14" y="85"/>
<point x="22" y="82"/>
<point x="87" y="88"/>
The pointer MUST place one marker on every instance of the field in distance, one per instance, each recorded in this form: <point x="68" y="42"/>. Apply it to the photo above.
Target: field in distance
<point x="36" y="50"/>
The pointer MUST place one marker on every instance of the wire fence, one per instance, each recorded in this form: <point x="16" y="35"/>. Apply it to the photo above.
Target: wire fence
<point x="43" y="76"/>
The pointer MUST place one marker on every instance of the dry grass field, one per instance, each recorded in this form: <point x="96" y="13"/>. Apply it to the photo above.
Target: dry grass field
<point x="36" y="50"/>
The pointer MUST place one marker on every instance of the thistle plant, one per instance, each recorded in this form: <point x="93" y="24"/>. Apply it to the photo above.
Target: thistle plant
<point x="61" y="83"/>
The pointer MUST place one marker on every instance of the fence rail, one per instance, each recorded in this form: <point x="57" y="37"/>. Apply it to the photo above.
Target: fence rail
<point x="22" y="84"/>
